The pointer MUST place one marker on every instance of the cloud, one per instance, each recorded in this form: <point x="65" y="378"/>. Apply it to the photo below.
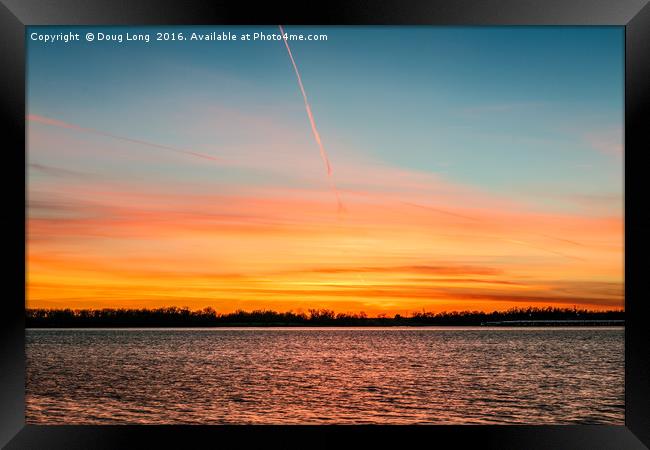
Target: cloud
<point x="608" y="141"/>
<point x="61" y="124"/>
<point x="420" y="269"/>
<point x="57" y="171"/>
<point x="410" y="239"/>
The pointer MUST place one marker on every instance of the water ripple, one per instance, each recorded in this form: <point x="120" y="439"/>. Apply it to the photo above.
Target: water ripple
<point x="318" y="376"/>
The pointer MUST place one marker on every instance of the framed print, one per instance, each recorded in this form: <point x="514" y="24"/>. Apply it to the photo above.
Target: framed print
<point x="395" y="224"/>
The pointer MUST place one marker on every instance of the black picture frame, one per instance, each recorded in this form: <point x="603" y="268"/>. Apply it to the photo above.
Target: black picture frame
<point x="634" y="15"/>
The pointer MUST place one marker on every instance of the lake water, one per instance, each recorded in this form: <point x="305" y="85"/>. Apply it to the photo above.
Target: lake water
<point x="321" y="376"/>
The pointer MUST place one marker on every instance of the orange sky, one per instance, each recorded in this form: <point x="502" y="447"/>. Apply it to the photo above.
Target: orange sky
<point x="407" y="241"/>
<point x="454" y="173"/>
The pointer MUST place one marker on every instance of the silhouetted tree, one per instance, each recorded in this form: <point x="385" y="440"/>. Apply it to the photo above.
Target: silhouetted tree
<point x="208" y="317"/>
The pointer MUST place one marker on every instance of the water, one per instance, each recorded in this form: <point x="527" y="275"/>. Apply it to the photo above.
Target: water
<point x="319" y="376"/>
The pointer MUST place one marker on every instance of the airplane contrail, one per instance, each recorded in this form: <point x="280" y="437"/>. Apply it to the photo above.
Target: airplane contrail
<point x="70" y="126"/>
<point x="563" y="240"/>
<point x="312" y="122"/>
<point x="527" y="244"/>
<point x="514" y="241"/>
<point x="439" y="210"/>
<point x="314" y="130"/>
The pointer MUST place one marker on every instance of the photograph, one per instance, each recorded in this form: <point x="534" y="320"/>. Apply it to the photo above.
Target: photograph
<point x="325" y="225"/>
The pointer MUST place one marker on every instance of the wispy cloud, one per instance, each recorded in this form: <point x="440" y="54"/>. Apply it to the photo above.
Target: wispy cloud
<point x="57" y="171"/>
<point x="61" y="124"/>
<point x="608" y="141"/>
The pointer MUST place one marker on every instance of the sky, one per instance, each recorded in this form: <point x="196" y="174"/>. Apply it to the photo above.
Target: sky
<point x="472" y="168"/>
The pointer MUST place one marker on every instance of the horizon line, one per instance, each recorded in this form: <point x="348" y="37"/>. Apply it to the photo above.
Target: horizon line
<point x="359" y="313"/>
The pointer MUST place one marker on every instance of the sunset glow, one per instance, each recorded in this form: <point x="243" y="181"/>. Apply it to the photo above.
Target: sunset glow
<point x="203" y="187"/>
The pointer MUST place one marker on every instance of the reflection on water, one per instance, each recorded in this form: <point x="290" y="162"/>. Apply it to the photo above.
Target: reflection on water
<point x="316" y="376"/>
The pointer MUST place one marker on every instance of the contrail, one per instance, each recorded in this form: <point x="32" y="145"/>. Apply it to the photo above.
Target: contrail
<point x="563" y="240"/>
<point x="310" y="115"/>
<point x="514" y="241"/>
<point x="441" y="211"/>
<point x="70" y="126"/>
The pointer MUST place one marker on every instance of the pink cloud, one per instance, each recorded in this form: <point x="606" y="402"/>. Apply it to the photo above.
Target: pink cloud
<point x="607" y="142"/>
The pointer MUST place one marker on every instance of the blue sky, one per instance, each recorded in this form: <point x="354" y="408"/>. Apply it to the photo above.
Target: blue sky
<point x="522" y="110"/>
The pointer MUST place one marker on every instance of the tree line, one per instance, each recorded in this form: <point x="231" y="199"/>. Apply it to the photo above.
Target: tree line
<point x="209" y="317"/>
